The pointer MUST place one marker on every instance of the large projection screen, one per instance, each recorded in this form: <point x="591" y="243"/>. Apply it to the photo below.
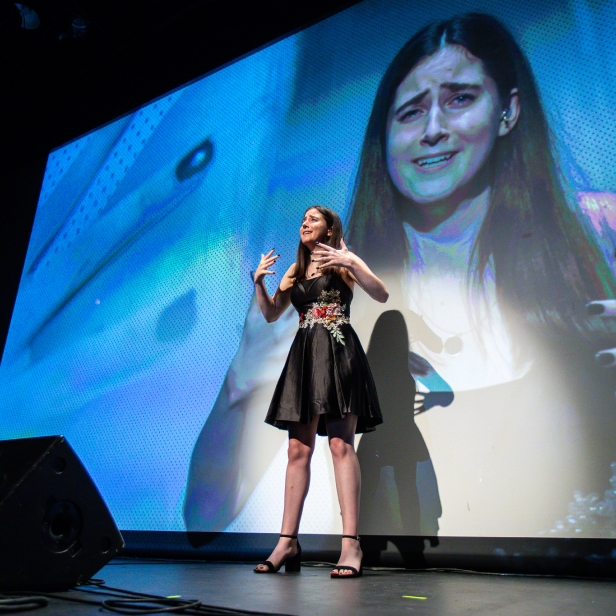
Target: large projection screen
<point x="136" y="335"/>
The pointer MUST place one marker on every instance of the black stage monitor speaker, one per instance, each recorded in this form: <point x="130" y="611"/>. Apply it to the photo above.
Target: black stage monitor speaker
<point x="55" y="529"/>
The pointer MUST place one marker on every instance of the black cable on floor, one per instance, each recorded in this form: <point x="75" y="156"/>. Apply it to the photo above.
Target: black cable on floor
<point x="128" y="602"/>
<point x="12" y="605"/>
<point x="174" y="605"/>
<point x="49" y="595"/>
<point x="144" y="606"/>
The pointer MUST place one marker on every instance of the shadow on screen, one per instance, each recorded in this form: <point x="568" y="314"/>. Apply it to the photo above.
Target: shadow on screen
<point x="400" y="499"/>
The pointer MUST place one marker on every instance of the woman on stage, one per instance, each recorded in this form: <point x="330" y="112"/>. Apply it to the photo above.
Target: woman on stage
<point x="326" y="386"/>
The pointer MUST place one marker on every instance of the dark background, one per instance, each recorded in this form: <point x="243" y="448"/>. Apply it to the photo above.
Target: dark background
<point x="57" y="85"/>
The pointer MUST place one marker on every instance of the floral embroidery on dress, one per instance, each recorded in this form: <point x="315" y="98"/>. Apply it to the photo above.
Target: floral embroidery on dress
<point x="328" y="312"/>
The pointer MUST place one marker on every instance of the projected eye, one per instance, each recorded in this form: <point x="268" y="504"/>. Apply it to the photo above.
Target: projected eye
<point x="409" y="115"/>
<point x="462" y="100"/>
<point x="195" y="161"/>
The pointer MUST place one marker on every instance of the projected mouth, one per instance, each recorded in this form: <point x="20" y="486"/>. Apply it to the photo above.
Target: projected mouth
<point x="438" y="160"/>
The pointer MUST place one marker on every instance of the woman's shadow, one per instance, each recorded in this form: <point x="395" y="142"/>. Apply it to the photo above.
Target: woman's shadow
<point x="400" y="499"/>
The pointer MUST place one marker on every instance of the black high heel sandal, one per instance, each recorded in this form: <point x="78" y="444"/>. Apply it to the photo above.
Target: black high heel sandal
<point x="293" y="564"/>
<point x="354" y="572"/>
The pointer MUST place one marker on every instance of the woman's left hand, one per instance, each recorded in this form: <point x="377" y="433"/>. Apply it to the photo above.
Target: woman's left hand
<point x="327" y="256"/>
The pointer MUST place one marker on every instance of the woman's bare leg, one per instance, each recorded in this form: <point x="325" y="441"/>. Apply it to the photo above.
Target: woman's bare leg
<point x="297" y="481"/>
<point x="348" y="484"/>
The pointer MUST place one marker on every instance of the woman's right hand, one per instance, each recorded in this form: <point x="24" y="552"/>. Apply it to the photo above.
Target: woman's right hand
<point x="263" y="268"/>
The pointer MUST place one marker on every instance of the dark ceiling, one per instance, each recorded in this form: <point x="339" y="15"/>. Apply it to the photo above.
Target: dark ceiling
<point x="90" y="61"/>
<point x="58" y="84"/>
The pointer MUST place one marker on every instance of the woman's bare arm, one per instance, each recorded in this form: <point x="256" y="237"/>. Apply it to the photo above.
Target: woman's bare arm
<point x="272" y="307"/>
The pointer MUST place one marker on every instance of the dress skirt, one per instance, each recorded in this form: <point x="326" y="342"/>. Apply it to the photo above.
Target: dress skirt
<point x="326" y="375"/>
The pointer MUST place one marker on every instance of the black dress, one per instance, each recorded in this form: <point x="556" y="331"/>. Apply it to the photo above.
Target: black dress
<point x="326" y="372"/>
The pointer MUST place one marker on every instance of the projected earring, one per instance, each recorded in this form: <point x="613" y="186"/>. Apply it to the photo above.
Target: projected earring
<point x="505" y="117"/>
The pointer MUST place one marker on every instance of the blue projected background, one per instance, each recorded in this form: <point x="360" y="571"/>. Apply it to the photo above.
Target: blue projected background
<point x="136" y="293"/>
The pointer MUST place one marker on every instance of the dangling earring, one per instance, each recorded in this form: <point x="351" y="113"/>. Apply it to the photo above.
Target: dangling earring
<point x="505" y="118"/>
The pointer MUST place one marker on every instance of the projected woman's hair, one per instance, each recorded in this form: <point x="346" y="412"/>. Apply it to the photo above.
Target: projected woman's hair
<point x="545" y="266"/>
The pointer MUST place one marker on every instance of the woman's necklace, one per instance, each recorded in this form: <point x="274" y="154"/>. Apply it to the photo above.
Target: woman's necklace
<point x="314" y="273"/>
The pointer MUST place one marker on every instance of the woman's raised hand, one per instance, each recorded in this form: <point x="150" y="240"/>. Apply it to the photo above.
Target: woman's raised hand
<point x="326" y="256"/>
<point x="265" y="263"/>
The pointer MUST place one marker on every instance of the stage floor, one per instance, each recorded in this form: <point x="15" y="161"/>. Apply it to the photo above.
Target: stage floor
<point x="313" y="593"/>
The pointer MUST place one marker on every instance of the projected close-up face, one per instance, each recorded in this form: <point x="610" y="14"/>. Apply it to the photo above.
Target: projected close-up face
<point x="443" y="122"/>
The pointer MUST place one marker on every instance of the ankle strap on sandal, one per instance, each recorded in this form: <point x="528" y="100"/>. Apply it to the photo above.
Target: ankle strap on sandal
<point x="290" y="536"/>
<point x="356" y="537"/>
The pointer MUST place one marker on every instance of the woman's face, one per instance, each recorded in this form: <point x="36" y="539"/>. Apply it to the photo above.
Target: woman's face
<point x="314" y="228"/>
<point x="442" y="125"/>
